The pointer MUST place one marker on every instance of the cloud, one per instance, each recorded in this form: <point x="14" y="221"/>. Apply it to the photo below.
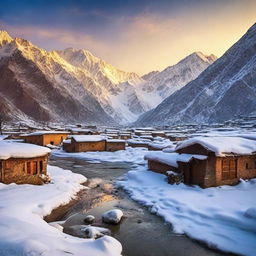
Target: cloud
<point x="138" y="37"/>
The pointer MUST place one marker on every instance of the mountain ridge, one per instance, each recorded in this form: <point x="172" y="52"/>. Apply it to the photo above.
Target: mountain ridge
<point x="224" y="90"/>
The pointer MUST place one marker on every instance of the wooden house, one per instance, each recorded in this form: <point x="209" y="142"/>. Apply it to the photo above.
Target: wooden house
<point x="228" y="160"/>
<point x="209" y="161"/>
<point x="115" y="145"/>
<point x="44" y="138"/>
<point x="85" y="143"/>
<point x="135" y="143"/>
<point x="158" y="134"/>
<point x="125" y="136"/>
<point x="80" y="131"/>
<point x="176" y="137"/>
<point x="23" y="163"/>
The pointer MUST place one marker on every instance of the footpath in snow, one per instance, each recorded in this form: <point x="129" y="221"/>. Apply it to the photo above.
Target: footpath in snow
<point x="223" y="217"/>
<point x="23" y="230"/>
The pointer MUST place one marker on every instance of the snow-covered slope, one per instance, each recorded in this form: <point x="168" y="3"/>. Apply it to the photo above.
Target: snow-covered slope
<point x="41" y="85"/>
<point x="108" y="84"/>
<point x="161" y="85"/>
<point x="223" y="91"/>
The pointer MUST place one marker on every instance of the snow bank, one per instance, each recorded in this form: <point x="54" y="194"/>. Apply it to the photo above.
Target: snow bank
<point x="134" y="155"/>
<point x="222" y="145"/>
<point x="171" y="159"/>
<point x="223" y="217"/>
<point x="23" y="230"/>
<point x="9" y="149"/>
<point x="2" y="137"/>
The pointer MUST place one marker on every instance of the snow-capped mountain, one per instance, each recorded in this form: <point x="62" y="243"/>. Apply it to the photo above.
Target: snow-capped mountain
<point x="134" y="98"/>
<point x="40" y="85"/>
<point x="73" y="84"/>
<point x="223" y="91"/>
<point x="109" y="84"/>
<point x="160" y="85"/>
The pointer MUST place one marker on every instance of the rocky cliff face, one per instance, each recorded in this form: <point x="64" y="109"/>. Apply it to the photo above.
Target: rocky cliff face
<point x="223" y="91"/>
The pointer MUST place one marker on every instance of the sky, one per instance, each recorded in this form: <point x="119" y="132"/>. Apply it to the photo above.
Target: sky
<point x="133" y="35"/>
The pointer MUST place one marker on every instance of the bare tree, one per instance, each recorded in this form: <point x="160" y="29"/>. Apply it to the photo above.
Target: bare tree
<point x="4" y="117"/>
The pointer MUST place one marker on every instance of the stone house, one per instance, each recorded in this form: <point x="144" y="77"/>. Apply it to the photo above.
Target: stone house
<point x="23" y="163"/>
<point x="44" y="138"/>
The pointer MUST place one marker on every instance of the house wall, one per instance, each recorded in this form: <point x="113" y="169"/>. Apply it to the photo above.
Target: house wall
<point x="139" y="145"/>
<point x="54" y="139"/>
<point x="125" y="136"/>
<point x="68" y="147"/>
<point x="160" y="167"/>
<point x="89" y="146"/>
<point x="34" y="139"/>
<point x="114" y="146"/>
<point x="46" y="139"/>
<point x="24" y="170"/>
<point x="246" y="169"/>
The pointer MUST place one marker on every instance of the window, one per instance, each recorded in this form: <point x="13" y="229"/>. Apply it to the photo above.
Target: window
<point x="41" y="166"/>
<point x="229" y="169"/>
<point x="28" y="168"/>
<point x="52" y="142"/>
<point x="247" y="166"/>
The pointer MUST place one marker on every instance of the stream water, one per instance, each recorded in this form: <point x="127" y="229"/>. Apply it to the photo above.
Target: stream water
<point x="140" y="232"/>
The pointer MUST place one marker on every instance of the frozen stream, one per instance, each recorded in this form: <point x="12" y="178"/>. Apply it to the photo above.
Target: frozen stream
<point x="141" y="233"/>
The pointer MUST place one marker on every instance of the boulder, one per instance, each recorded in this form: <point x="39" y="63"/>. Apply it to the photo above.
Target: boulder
<point x="89" y="219"/>
<point x="112" y="217"/>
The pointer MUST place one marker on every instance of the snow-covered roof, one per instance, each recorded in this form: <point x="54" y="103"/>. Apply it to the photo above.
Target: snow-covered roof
<point x="88" y="138"/>
<point x="10" y="149"/>
<point x="45" y="132"/>
<point x="138" y="141"/>
<point x="171" y="159"/>
<point x="80" y="130"/>
<point x="222" y="146"/>
<point x="115" y="140"/>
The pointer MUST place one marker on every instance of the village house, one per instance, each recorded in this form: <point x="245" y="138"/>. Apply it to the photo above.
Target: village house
<point x="125" y="136"/>
<point x="86" y="143"/>
<point x="44" y="138"/>
<point x="80" y="131"/>
<point x="136" y="142"/>
<point x="23" y="163"/>
<point x="176" y="137"/>
<point x="209" y="161"/>
<point x="158" y="134"/>
<point x="115" y="145"/>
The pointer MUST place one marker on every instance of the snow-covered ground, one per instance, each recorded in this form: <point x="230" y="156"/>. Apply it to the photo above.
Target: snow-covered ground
<point x="134" y="155"/>
<point x="223" y="217"/>
<point x="23" y="230"/>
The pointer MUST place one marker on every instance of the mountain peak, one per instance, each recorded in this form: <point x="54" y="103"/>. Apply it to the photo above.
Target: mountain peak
<point x="207" y="58"/>
<point x="4" y="37"/>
